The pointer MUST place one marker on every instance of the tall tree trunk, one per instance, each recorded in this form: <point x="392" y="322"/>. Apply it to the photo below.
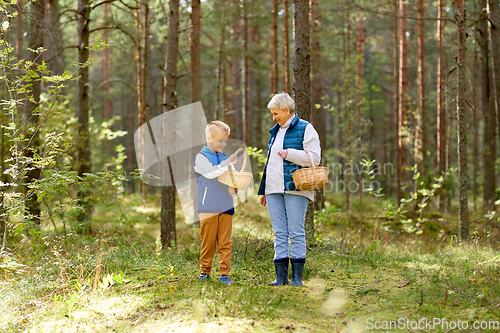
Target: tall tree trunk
<point x="396" y="98"/>
<point x="195" y="49"/>
<point x="53" y="38"/>
<point x="19" y="31"/>
<point x="31" y="116"/>
<point x="317" y="82"/>
<point x="360" y="38"/>
<point x="403" y="100"/>
<point x="286" y="49"/>
<point x="107" y="110"/>
<point x="347" y="110"/>
<point x="83" y="107"/>
<point x="441" y="113"/>
<point x="475" y="150"/>
<point x="236" y="70"/>
<point x="463" y="213"/>
<point x="249" y="119"/>
<point x="449" y="128"/>
<point x="489" y="114"/>
<point x="3" y="211"/>
<point x="168" y="231"/>
<point x="302" y="79"/>
<point x="222" y="61"/>
<point x="275" y="48"/>
<point x="141" y="93"/>
<point x="258" y="95"/>
<point x="245" y="70"/>
<point x="494" y="37"/>
<point x="129" y="121"/>
<point x="421" y="132"/>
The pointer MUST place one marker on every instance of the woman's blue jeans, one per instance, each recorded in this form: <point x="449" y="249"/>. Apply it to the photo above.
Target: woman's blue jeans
<point x="288" y="213"/>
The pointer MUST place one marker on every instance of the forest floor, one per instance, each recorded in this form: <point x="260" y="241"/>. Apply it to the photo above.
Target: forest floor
<point x="359" y="276"/>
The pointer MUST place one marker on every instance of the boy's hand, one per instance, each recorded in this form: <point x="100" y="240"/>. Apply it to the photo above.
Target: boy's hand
<point x="232" y="190"/>
<point x="283" y="153"/>
<point x="263" y="201"/>
<point x="234" y="158"/>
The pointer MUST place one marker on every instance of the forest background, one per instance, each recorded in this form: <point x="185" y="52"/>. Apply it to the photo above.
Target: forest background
<point x="404" y="96"/>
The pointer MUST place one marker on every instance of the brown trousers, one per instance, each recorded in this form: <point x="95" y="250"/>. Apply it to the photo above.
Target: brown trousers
<point x="216" y="234"/>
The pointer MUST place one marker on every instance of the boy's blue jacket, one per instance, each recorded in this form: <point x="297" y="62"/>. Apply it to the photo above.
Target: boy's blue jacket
<point x="213" y="196"/>
<point x="294" y="138"/>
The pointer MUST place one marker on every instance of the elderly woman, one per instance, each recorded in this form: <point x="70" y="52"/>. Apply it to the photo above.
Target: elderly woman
<point x="290" y="138"/>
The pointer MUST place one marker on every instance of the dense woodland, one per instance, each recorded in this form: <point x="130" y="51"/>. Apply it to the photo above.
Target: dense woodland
<point x="412" y="86"/>
<point x="405" y="96"/>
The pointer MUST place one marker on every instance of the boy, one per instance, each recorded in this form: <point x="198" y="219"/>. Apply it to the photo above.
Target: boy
<point x="215" y="201"/>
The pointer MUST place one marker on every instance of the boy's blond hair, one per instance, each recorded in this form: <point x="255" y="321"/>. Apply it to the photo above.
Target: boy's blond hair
<point x="223" y="127"/>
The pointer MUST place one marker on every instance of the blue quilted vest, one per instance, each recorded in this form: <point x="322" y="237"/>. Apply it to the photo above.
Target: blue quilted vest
<point x="294" y="138"/>
<point x="213" y="196"/>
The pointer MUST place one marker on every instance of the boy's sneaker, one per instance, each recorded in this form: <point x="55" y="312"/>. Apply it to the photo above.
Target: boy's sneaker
<point x="226" y="280"/>
<point x="203" y="277"/>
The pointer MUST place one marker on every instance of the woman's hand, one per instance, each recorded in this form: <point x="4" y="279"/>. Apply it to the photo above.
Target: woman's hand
<point x="283" y="153"/>
<point x="263" y="201"/>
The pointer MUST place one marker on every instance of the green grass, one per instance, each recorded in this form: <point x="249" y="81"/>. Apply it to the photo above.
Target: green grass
<point x="355" y="271"/>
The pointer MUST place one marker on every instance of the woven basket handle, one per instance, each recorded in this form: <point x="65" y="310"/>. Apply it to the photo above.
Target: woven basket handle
<point x="244" y="159"/>
<point x="311" y="157"/>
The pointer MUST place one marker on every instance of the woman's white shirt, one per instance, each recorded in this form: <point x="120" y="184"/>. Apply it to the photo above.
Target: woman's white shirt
<point x="274" y="176"/>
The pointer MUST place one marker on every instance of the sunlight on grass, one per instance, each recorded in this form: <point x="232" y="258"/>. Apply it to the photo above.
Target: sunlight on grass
<point x="424" y="266"/>
<point x="91" y="311"/>
<point x="335" y="301"/>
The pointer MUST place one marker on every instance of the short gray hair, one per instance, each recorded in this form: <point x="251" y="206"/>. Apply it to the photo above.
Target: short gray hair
<point x="282" y="101"/>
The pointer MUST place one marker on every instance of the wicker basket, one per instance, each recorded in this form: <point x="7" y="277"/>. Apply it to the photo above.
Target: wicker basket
<point x="239" y="180"/>
<point x="307" y="179"/>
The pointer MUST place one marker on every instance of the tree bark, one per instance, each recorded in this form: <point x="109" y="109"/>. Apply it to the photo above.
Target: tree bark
<point x="441" y="113"/>
<point x="494" y="38"/>
<point x="317" y="82"/>
<point x="53" y="38"/>
<point x="236" y="71"/>
<point x="249" y="87"/>
<point x="275" y="48"/>
<point x="84" y="158"/>
<point x="489" y="114"/>
<point x="258" y="95"/>
<point x="107" y="109"/>
<point x="302" y="79"/>
<point x="19" y="31"/>
<point x="246" y="72"/>
<point x="141" y="8"/>
<point x="168" y="231"/>
<point x="347" y="110"/>
<point x="222" y="61"/>
<point x="195" y="49"/>
<point x="463" y="213"/>
<point x="403" y="100"/>
<point x="421" y="129"/>
<point x="31" y="116"/>
<point x="475" y="114"/>
<point x="286" y="49"/>
<point x="360" y="38"/>
<point x="396" y="98"/>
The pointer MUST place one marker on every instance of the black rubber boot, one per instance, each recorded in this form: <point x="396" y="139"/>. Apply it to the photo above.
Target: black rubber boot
<point x="281" y="267"/>
<point x="297" y="270"/>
